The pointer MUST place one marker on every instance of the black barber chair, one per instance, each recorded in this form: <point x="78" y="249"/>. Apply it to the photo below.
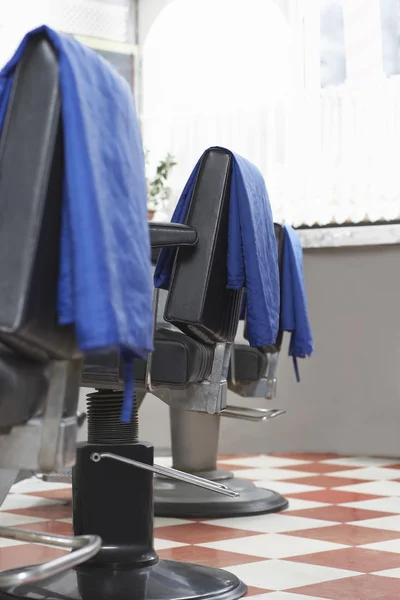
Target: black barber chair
<point x="40" y="366"/>
<point x="175" y="374"/>
<point x="194" y="436"/>
<point x="40" y="371"/>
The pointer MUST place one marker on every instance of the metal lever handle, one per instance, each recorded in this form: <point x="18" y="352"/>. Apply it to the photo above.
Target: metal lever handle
<point x="251" y="414"/>
<point x="219" y="488"/>
<point x="272" y="376"/>
<point x="84" y="547"/>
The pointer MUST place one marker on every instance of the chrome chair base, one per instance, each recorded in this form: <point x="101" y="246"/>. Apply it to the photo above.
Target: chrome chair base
<point x="166" y="580"/>
<point x="177" y="499"/>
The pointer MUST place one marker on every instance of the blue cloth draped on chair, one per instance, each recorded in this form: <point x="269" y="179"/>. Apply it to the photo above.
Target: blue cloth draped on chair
<point x="252" y="259"/>
<point x="105" y="287"/>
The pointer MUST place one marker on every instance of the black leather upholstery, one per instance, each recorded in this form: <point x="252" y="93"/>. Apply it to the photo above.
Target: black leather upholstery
<point x="250" y="363"/>
<point x="155" y="253"/>
<point x="198" y="302"/>
<point x="31" y="163"/>
<point x="23" y="386"/>
<point x="167" y="235"/>
<point x="280" y="239"/>
<point x="177" y="361"/>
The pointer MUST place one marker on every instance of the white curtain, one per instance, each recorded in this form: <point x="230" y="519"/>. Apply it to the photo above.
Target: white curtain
<point x="215" y="74"/>
<point x="245" y="74"/>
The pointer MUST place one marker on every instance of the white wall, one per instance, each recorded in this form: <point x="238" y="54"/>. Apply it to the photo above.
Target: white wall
<point x="349" y="398"/>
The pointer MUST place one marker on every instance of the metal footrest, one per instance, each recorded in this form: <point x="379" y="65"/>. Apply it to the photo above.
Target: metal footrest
<point x="84" y="547"/>
<point x="62" y="476"/>
<point x="252" y="414"/>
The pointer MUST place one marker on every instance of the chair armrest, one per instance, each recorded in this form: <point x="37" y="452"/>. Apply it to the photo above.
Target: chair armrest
<point x="170" y="235"/>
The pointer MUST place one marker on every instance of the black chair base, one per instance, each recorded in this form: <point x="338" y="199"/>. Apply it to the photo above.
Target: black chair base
<point x="166" y="580"/>
<point x="178" y="499"/>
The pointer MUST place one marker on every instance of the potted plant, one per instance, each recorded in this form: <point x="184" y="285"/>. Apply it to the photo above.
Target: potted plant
<point x="158" y="192"/>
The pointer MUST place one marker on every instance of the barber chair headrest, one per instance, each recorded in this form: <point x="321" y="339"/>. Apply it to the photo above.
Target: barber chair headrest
<point x="31" y="161"/>
<point x="198" y="302"/>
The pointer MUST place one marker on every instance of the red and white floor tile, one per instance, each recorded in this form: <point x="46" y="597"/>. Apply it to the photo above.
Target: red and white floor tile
<point x="339" y="539"/>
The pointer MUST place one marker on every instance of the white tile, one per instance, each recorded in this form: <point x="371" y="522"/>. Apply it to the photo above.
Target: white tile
<point x="265" y="596"/>
<point x="273" y="523"/>
<point x="167" y="522"/>
<point x="286" y="596"/>
<point x="37" y="485"/>
<point x="11" y="520"/>
<point x="160" y="544"/>
<point x="369" y="474"/>
<point x="389" y="573"/>
<point x="4" y="543"/>
<point x="391" y="523"/>
<point x="281" y="575"/>
<point x="298" y="504"/>
<point x="16" y="501"/>
<point x="388" y="546"/>
<point x="264" y="461"/>
<point x="378" y="488"/>
<point x="286" y="487"/>
<point x="271" y="545"/>
<point x="165" y="461"/>
<point x="271" y="474"/>
<point x="387" y="504"/>
<point x="360" y="461"/>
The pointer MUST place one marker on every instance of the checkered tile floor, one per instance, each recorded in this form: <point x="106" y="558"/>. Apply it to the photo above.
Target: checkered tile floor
<point x="339" y="539"/>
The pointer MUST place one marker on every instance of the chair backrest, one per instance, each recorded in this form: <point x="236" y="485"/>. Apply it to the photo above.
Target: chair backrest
<point x="198" y="302"/>
<point x="31" y="166"/>
<point x="39" y="376"/>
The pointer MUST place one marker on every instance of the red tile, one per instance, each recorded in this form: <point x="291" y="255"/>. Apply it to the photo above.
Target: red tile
<point x="65" y="494"/>
<point x="333" y="496"/>
<point x="352" y="559"/>
<point x="51" y="512"/>
<point x="325" y="481"/>
<point x="207" y="556"/>
<point x="347" y="534"/>
<point x="318" y="467"/>
<point x="29" y="554"/>
<point x="340" y="514"/>
<point x="362" y="587"/>
<point x="254" y="591"/>
<point x="50" y="527"/>
<point x="200" y="533"/>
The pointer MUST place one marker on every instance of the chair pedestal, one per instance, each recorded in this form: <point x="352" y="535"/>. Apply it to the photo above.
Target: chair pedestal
<point x="115" y="501"/>
<point x="194" y="450"/>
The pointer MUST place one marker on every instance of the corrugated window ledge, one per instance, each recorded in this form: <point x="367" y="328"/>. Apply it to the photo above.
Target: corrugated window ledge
<point x="342" y="237"/>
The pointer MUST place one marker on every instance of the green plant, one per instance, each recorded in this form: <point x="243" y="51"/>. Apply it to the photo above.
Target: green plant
<point x="158" y="192"/>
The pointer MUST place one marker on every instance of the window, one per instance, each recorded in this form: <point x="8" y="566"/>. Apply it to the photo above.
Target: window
<point x="223" y="82"/>
<point x="308" y="91"/>
<point x="108" y="26"/>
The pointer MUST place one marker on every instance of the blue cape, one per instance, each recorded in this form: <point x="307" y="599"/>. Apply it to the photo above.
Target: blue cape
<point x="105" y="287"/>
<point x="294" y="312"/>
<point x="252" y="254"/>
